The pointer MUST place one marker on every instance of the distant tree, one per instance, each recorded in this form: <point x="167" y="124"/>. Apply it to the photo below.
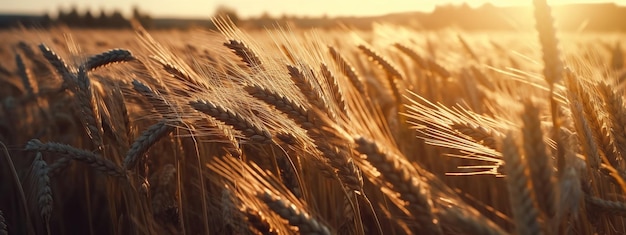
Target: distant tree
<point x="118" y="21"/>
<point x="103" y="20"/>
<point x="227" y="12"/>
<point x="46" y="21"/>
<point x="61" y="17"/>
<point x="88" y="20"/>
<point x="73" y="18"/>
<point x="144" y="19"/>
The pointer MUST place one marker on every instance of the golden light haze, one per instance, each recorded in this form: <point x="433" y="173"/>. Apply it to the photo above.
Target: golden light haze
<point x="247" y="8"/>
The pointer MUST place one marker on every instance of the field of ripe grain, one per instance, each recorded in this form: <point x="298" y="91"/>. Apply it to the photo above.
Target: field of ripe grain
<point x="287" y="131"/>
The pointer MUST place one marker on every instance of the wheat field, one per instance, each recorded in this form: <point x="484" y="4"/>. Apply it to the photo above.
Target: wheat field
<point x="290" y="131"/>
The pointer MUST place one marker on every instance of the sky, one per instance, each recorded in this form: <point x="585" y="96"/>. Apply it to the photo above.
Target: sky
<point x="247" y="8"/>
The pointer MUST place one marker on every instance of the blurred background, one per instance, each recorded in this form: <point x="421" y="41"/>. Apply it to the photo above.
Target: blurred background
<point x="594" y="15"/>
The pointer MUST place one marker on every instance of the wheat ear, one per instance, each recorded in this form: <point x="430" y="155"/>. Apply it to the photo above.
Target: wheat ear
<point x="539" y="162"/>
<point x="59" y="65"/>
<point x="97" y="162"/>
<point x="606" y="206"/>
<point x="88" y="108"/>
<point x="296" y="217"/>
<point x="394" y="76"/>
<point x="147" y="138"/>
<point x="29" y="53"/>
<point x="409" y="186"/>
<point x="294" y="111"/>
<point x="58" y="166"/>
<point x="39" y="170"/>
<point x="348" y="70"/>
<point x="180" y="74"/>
<point x="383" y="62"/>
<point x="335" y="89"/>
<point x="251" y="130"/>
<point x="155" y="99"/>
<point x="615" y="111"/>
<point x="109" y="57"/>
<point x="24" y="75"/>
<point x="478" y="133"/>
<point x="553" y="66"/>
<point x="524" y="212"/>
<point x="309" y="89"/>
<point x="244" y="52"/>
